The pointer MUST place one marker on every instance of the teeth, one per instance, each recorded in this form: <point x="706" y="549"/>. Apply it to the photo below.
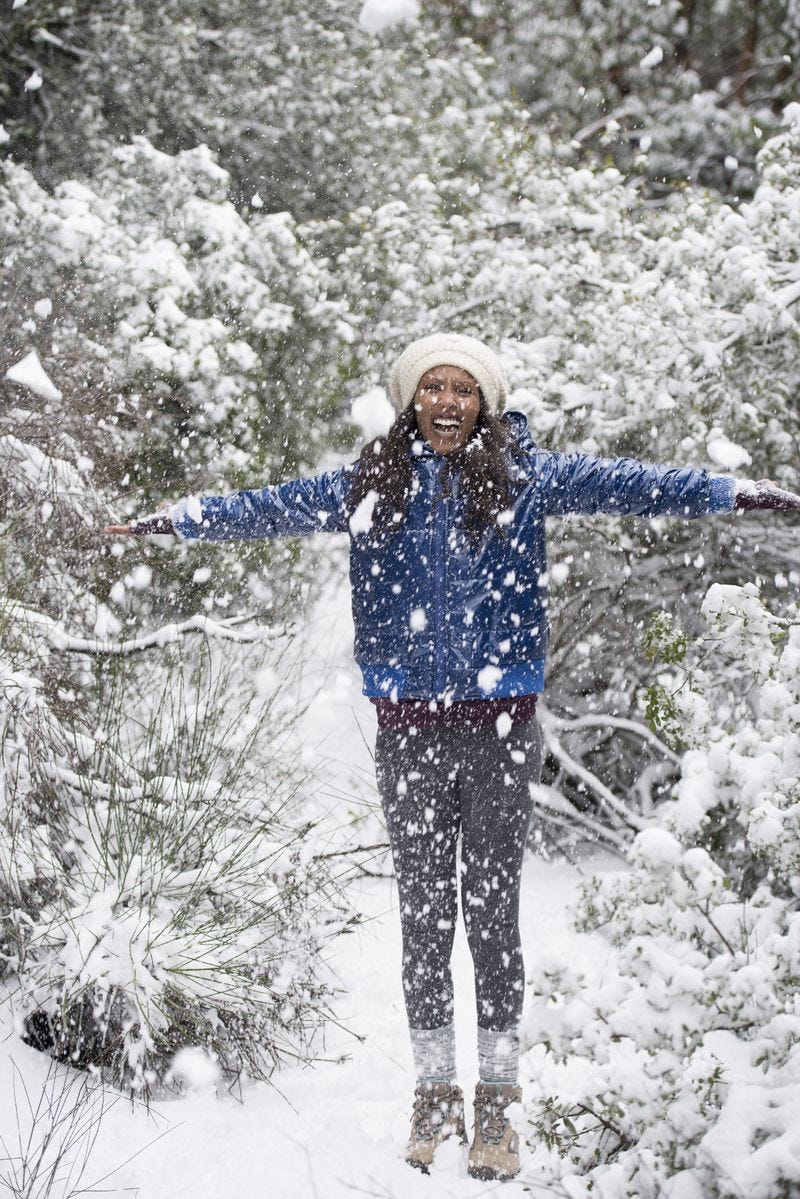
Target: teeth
<point x="445" y="424"/>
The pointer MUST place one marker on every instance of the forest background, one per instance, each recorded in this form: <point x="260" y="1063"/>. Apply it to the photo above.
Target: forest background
<point x="218" y="224"/>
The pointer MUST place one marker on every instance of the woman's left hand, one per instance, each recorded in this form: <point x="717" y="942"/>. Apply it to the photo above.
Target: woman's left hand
<point x="765" y="494"/>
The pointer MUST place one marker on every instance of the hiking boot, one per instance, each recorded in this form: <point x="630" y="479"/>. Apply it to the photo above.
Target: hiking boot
<point x="438" y="1114"/>
<point x="494" y="1152"/>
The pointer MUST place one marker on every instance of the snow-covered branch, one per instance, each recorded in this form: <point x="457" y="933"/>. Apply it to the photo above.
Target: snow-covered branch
<point x="603" y="721"/>
<point x="605" y="797"/>
<point x="166" y="634"/>
<point x="87" y="785"/>
<point x="227" y="630"/>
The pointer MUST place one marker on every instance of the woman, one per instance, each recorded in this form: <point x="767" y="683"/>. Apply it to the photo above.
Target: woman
<point x="446" y="517"/>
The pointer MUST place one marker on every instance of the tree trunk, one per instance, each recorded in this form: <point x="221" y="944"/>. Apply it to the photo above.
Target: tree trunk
<point x="683" y="45"/>
<point x="747" y="56"/>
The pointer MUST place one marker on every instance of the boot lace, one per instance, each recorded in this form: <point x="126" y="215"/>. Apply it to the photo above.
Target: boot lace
<point x="430" y="1111"/>
<point x="490" y="1112"/>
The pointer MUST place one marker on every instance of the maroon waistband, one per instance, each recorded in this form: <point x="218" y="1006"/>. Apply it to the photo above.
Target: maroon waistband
<point x="463" y="714"/>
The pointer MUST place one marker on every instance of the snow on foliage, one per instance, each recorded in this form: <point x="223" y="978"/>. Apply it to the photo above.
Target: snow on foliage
<point x="152" y="884"/>
<point x="377" y="15"/>
<point x="675" y="1072"/>
<point x="673" y="94"/>
<point x="618" y="327"/>
<point x="305" y="107"/>
<point x="204" y="309"/>
<point x="30" y="373"/>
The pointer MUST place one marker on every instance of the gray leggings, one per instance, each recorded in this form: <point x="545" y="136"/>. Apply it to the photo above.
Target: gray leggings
<point x="435" y="783"/>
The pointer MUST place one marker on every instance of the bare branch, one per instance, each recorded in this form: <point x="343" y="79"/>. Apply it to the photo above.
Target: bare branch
<point x="599" y="125"/>
<point x="44" y="35"/>
<point x="468" y="306"/>
<point x="163" y="636"/>
<point x="557" y="807"/>
<point x="342" y="853"/>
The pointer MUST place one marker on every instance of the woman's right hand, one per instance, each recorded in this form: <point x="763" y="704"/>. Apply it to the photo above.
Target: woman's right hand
<point x="146" y="526"/>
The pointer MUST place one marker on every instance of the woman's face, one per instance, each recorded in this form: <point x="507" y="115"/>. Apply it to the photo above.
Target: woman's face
<point x="447" y="403"/>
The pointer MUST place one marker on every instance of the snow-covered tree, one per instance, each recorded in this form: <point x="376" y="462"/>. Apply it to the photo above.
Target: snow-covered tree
<point x="306" y="109"/>
<point x="677" y="91"/>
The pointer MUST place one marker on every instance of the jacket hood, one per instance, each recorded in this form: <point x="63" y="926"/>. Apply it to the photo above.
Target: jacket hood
<point x="518" y="424"/>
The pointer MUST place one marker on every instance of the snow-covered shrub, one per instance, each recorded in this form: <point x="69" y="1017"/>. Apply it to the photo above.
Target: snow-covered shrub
<point x="158" y="886"/>
<point x="623" y="329"/>
<point x="182" y="911"/>
<point x="308" y="110"/>
<point x="200" y="346"/>
<point x="672" y="1067"/>
<point x="316" y="113"/>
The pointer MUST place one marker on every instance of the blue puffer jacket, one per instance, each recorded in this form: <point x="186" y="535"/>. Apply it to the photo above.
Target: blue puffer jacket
<point x="437" y="614"/>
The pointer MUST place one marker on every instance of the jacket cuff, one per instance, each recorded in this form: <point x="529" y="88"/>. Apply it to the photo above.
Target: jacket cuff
<point x="722" y="494"/>
<point x="186" y="527"/>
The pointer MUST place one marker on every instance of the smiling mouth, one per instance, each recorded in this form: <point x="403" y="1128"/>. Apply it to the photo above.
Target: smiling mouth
<point x="443" y="425"/>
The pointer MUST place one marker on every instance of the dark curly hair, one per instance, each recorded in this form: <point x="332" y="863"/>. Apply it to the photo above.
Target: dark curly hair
<point x="385" y="466"/>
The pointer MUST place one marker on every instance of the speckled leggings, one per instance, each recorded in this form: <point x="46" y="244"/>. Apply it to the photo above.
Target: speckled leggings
<point x="435" y="784"/>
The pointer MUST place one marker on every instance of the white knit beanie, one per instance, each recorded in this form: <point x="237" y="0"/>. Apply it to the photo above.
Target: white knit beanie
<point x="449" y="349"/>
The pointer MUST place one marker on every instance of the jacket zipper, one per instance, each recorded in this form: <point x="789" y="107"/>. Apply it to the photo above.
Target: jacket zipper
<point x="439" y="589"/>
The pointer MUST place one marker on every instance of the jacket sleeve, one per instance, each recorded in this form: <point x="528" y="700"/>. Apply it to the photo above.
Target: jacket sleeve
<point x="623" y="487"/>
<point x="295" y="509"/>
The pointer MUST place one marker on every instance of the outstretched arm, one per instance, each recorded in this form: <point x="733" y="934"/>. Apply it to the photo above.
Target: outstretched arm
<point x="294" y="509"/>
<point x="624" y="486"/>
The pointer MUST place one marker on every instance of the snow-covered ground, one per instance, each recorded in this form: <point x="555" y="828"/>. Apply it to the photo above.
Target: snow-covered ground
<point x="330" y="1131"/>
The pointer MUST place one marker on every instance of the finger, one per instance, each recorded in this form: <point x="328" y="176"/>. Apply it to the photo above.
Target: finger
<point x="117" y="529"/>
